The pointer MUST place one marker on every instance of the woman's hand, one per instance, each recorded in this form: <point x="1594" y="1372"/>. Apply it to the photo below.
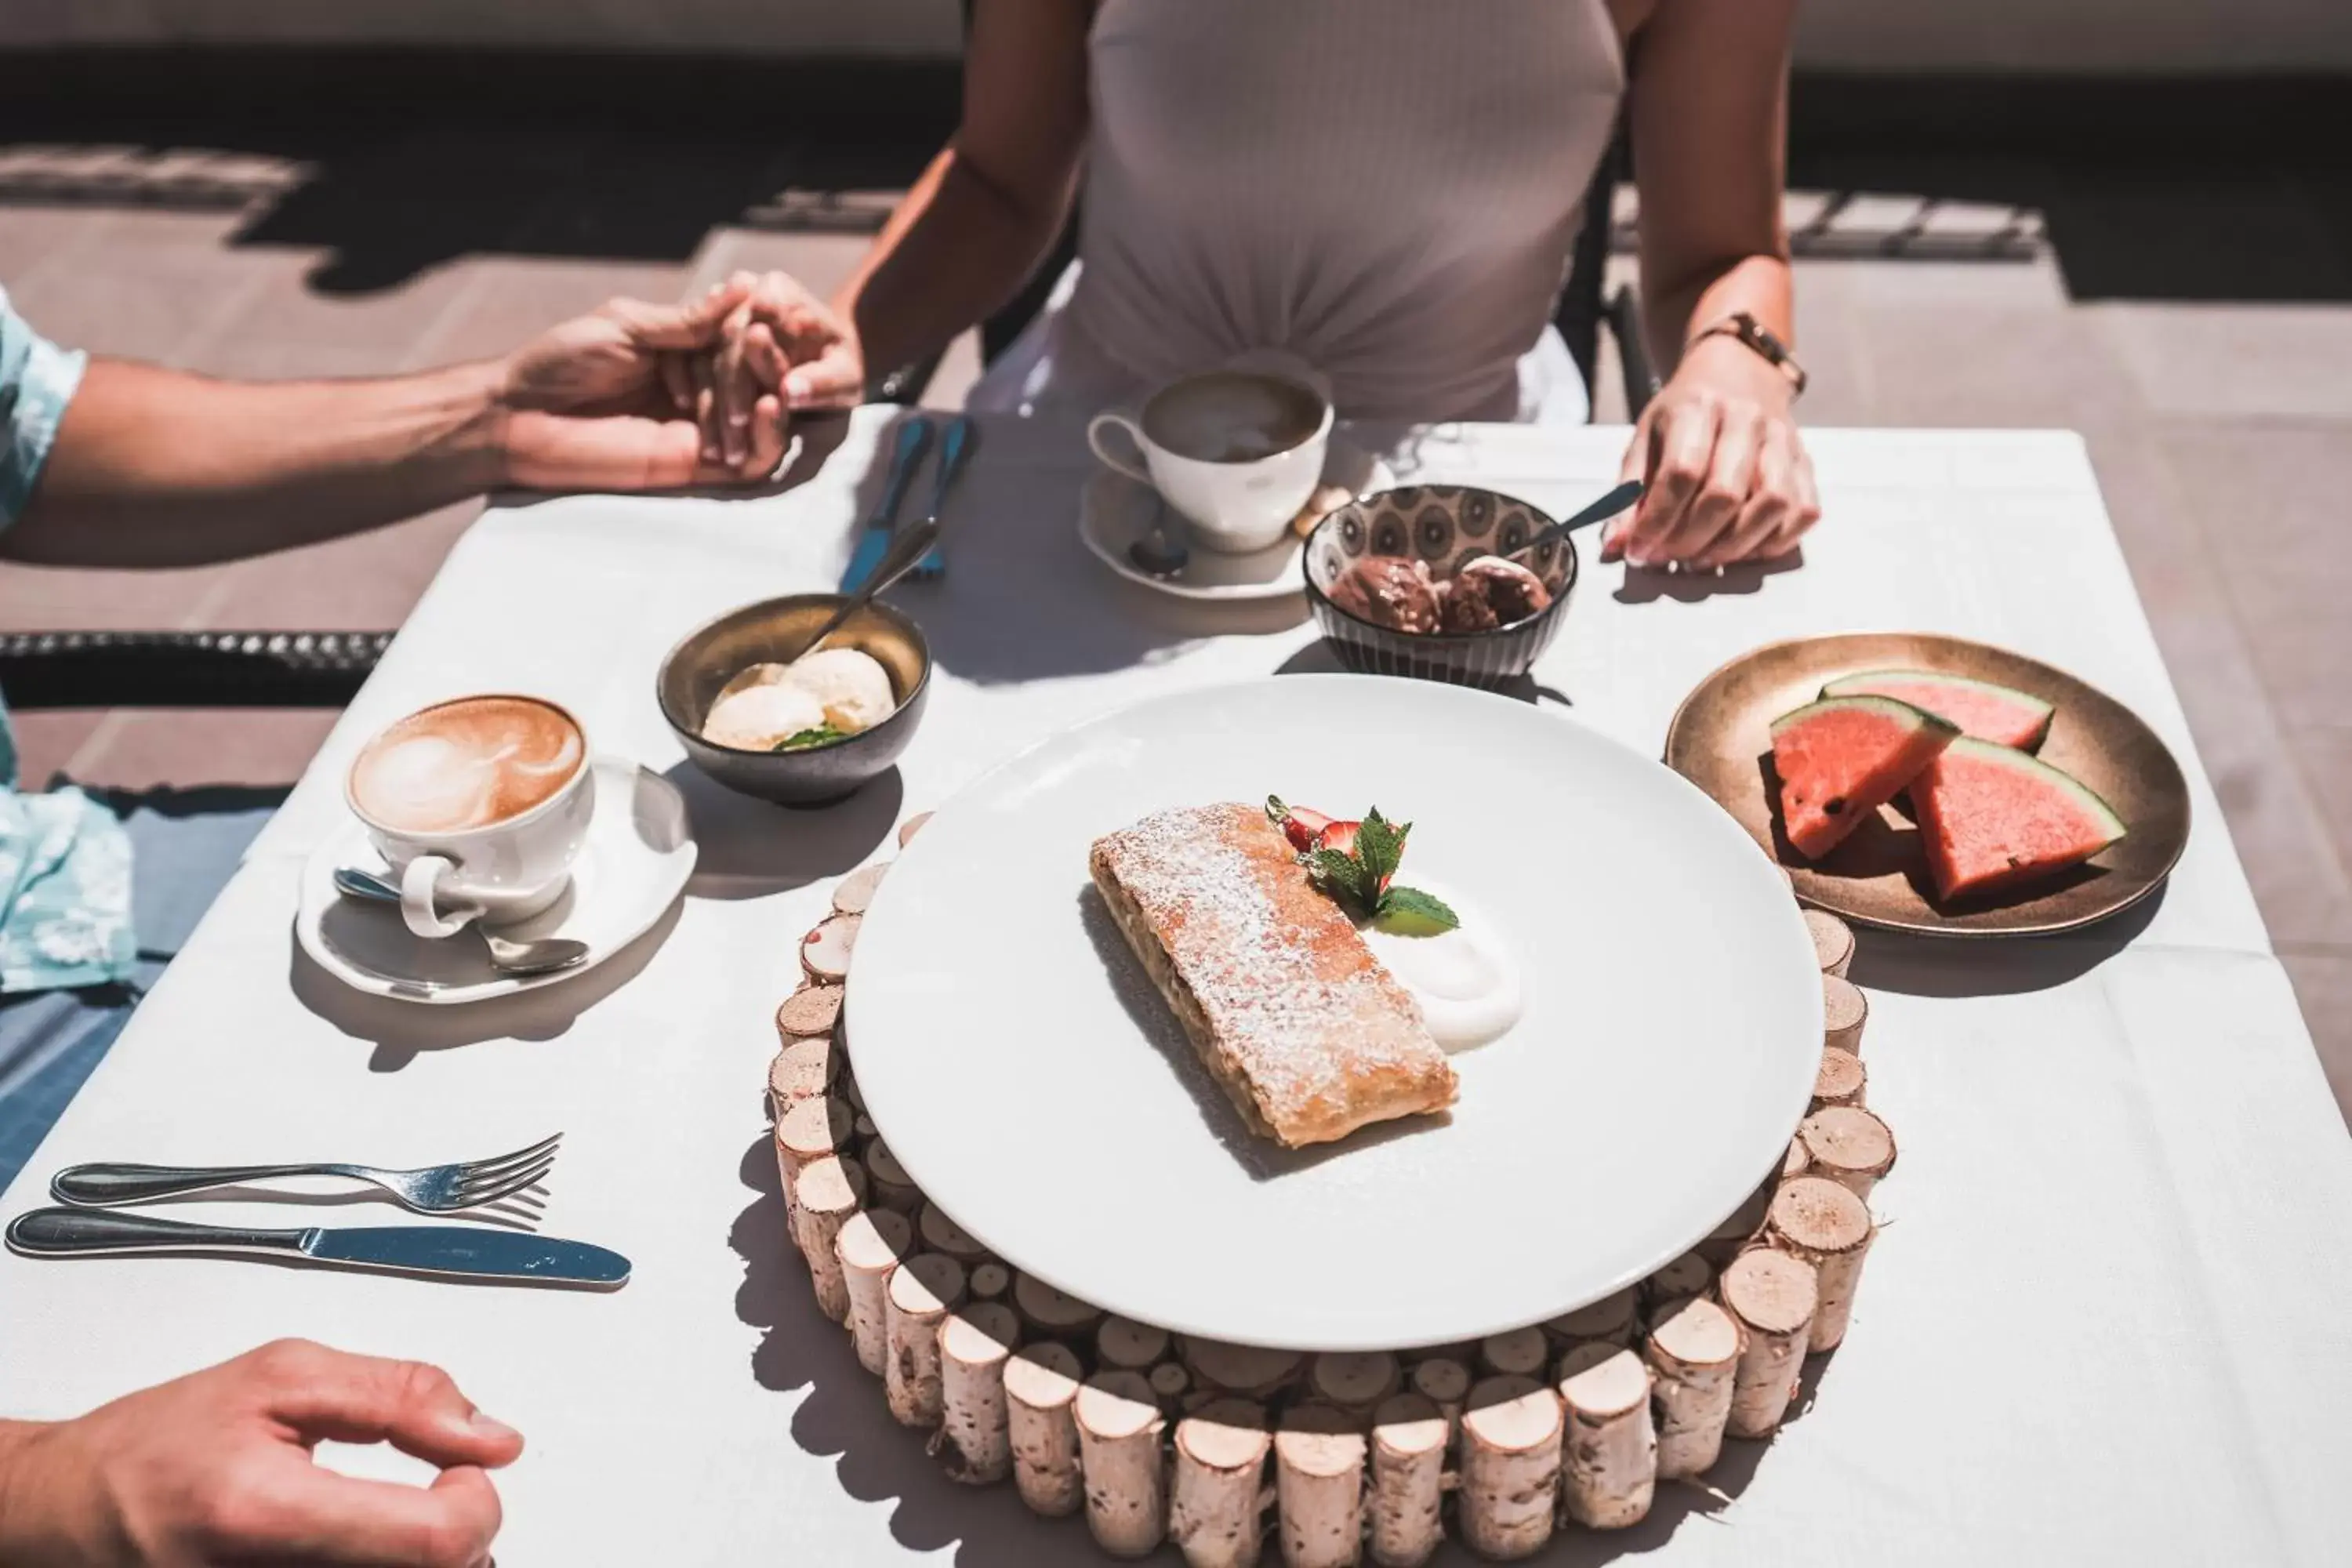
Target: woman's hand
<point x="782" y="351"/>
<point x="1725" y="473"/>
<point x="216" y="1468"/>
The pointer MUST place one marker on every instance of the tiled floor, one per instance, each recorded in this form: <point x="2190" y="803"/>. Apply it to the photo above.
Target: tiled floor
<point x="2221" y="431"/>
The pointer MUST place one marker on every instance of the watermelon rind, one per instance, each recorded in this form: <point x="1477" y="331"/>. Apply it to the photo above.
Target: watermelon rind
<point x="2084" y="795"/>
<point x="1892" y="708"/>
<point x="1863" y="682"/>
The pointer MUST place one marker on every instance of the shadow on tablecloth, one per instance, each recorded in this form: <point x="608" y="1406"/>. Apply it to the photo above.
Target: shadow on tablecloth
<point x="845" y="1414"/>
<point x="747" y="849"/>
<point x="1994" y="966"/>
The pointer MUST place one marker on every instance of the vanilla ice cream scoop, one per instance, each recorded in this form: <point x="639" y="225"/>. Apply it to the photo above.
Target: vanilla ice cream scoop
<point x="851" y="684"/>
<point x="758" y="717"/>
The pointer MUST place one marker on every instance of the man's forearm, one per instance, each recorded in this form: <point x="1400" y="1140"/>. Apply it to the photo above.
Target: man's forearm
<point x="158" y="467"/>
<point x="33" y="1516"/>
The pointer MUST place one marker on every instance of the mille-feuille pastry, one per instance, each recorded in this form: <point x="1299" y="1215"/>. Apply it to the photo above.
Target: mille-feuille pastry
<point x="1301" y="1027"/>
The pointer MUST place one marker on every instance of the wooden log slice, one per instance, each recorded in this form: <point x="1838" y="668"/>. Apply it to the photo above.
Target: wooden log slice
<point x="1354" y="1382"/>
<point x="941" y="1234"/>
<point x="868" y="1246"/>
<point x="975" y="1433"/>
<point x="855" y="893"/>
<point x="1522" y="1352"/>
<point x="1688" y="1275"/>
<point x="1773" y="1296"/>
<point x="1119" y="1427"/>
<point x="1832" y="942"/>
<point x="1409" y="1439"/>
<point x="1840" y="1080"/>
<point x="1122" y="1344"/>
<point x="888" y="1185"/>
<point x="1727" y="1240"/>
<point x="824" y="952"/>
<point x="991" y="1281"/>
<point x="1609" y="1469"/>
<point x="810" y="1011"/>
<point x="1053" y="1314"/>
<point x="912" y="826"/>
<point x="1444" y="1383"/>
<point x="1041" y="1391"/>
<point x="1215" y="1512"/>
<point x="824" y="1194"/>
<point x="922" y="1293"/>
<point x="803" y="1069"/>
<point x="1170" y="1382"/>
<point x="1318" y="1484"/>
<point x="1610" y="1318"/>
<point x="1511" y="1432"/>
<point x="1848" y="1145"/>
<point x="1822" y="1223"/>
<point x="1243" y="1370"/>
<point x="1845" y="1012"/>
<point x="1693" y="1350"/>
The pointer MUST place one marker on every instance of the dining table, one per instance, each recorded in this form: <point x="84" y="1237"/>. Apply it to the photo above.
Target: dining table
<point x="2104" y="1321"/>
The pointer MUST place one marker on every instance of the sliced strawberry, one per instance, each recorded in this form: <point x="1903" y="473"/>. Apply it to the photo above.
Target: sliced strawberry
<point x="1339" y="835"/>
<point x="1301" y="827"/>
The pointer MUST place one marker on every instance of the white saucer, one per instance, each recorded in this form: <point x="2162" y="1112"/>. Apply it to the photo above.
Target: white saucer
<point x="1114" y="511"/>
<point x="639" y="853"/>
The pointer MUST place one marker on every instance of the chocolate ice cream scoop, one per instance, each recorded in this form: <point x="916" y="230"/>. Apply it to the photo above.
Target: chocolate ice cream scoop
<point x="1489" y="592"/>
<point x="1390" y="591"/>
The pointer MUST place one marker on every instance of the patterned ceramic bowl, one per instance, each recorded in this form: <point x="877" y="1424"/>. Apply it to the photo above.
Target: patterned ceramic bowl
<point x="1446" y="526"/>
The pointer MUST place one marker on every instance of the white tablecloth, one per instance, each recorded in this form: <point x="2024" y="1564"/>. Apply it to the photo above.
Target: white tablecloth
<point x="2103" y="1323"/>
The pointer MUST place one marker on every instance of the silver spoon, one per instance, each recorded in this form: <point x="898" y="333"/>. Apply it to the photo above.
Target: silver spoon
<point x="912" y="544"/>
<point x="1607" y="507"/>
<point x="519" y="958"/>
<point x="1159" y="554"/>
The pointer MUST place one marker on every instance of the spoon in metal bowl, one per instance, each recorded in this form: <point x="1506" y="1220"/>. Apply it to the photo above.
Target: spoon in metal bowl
<point x="1159" y="552"/>
<point x="519" y="958"/>
<point x="906" y="552"/>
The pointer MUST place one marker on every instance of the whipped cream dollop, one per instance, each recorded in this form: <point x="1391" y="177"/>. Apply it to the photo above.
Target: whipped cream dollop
<point x="1466" y="980"/>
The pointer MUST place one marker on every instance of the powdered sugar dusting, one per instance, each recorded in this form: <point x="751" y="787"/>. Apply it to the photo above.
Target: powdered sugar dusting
<point x="1287" y="984"/>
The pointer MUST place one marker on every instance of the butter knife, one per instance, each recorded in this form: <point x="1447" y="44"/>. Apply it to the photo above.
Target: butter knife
<point x="451" y="1251"/>
<point x="955" y="451"/>
<point x="914" y="440"/>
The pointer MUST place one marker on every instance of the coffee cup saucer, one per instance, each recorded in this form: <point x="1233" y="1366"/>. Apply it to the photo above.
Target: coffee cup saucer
<point x="1115" y="511"/>
<point x="634" y="862"/>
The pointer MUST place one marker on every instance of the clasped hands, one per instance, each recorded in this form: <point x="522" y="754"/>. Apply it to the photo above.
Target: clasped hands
<point x="635" y="395"/>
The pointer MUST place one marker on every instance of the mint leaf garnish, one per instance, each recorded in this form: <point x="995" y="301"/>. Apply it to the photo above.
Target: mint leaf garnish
<point x="1379" y="845"/>
<point x="1409" y="911"/>
<point x="1341" y="876"/>
<point x="821" y="735"/>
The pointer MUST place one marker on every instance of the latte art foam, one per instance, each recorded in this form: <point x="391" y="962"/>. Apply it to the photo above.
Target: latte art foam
<point x="467" y="764"/>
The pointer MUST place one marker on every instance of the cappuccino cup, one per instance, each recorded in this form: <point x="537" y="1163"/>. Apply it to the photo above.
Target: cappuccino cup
<point x="1236" y="451"/>
<point x="478" y="804"/>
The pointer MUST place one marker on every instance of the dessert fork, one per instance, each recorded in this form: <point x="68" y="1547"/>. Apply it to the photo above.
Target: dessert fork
<point x="436" y="1189"/>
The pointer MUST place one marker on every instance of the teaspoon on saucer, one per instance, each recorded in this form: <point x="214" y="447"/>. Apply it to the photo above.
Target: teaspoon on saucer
<point x="519" y="958"/>
<point x="1159" y="552"/>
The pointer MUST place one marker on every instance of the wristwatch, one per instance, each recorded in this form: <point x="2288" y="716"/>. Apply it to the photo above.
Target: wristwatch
<point x="1744" y="327"/>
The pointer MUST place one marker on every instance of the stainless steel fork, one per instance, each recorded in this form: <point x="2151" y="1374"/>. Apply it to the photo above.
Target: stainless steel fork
<point x="437" y="1189"/>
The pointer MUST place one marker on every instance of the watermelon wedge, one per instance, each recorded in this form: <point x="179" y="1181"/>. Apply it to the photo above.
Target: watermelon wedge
<point x="1842" y="758"/>
<point x="2000" y="714"/>
<point x="1993" y="818"/>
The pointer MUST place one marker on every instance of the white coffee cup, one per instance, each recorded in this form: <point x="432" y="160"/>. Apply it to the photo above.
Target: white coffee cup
<point x="1236" y="451"/>
<point x="479" y="806"/>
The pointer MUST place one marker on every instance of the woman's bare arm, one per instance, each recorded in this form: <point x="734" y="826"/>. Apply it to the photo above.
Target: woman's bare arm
<point x="1707" y="104"/>
<point x="990" y="205"/>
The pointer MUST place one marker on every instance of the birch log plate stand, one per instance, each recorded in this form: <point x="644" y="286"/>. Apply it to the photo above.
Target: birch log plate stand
<point x="1236" y="1455"/>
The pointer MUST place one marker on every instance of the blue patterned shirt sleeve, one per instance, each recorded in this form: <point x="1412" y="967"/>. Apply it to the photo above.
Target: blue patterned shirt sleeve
<point x="36" y="381"/>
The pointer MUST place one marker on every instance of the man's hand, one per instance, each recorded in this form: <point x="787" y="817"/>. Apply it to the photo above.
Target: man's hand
<point x="605" y="402"/>
<point x="216" y="1468"/>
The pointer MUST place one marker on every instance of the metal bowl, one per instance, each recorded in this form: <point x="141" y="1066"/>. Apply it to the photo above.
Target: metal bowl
<point x="1446" y="526"/>
<point x="777" y="630"/>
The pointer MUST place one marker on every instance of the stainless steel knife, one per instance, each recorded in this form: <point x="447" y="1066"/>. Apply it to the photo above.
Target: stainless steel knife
<point x="882" y="523"/>
<point x="454" y="1251"/>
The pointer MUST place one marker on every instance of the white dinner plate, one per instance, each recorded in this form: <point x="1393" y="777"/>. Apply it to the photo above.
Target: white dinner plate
<point x="637" y="857"/>
<point x="1115" y="510"/>
<point x="1029" y="1077"/>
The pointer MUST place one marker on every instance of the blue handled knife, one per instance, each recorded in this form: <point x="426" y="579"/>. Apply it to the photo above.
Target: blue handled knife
<point x="449" y="1251"/>
<point x="874" y="539"/>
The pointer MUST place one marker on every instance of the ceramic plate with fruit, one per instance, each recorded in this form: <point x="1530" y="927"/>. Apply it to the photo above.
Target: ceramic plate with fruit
<point x="1929" y="784"/>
